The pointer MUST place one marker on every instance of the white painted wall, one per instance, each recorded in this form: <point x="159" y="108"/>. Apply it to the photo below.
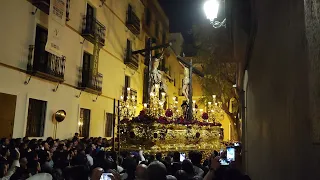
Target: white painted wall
<point x="17" y="31"/>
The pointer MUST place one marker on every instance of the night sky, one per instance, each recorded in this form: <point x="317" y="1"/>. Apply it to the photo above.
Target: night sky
<point x="183" y="14"/>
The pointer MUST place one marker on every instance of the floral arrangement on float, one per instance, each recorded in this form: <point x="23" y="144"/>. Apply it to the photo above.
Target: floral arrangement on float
<point x="144" y="118"/>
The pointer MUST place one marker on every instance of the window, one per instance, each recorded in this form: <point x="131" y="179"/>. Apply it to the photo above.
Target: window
<point x="36" y="118"/>
<point x="109" y="125"/>
<point x="40" y="54"/>
<point x="84" y="123"/>
<point x="148" y="17"/>
<point x="86" y="69"/>
<point x="90" y="16"/>
<point x="157" y="29"/>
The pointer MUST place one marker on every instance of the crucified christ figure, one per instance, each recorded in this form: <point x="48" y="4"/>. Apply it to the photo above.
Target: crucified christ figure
<point x="156" y="75"/>
<point x="186" y="82"/>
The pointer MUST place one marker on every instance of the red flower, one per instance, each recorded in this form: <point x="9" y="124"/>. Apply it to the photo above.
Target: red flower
<point x="169" y="113"/>
<point x="205" y="116"/>
<point x="142" y="113"/>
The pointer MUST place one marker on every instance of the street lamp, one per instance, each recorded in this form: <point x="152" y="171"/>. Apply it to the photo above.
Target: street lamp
<point x="211" y="9"/>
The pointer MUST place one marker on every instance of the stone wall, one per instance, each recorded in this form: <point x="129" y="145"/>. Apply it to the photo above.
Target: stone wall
<point x="283" y="92"/>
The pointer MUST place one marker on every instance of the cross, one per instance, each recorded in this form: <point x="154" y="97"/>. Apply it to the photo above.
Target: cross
<point x="147" y="53"/>
<point x="192" y="70"/>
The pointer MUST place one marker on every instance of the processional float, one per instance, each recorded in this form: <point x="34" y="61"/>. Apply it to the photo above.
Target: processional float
<point x="156" y="129"/>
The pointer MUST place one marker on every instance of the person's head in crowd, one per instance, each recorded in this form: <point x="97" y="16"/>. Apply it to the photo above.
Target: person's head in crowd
<point x="187" y="166"/>
<point x="33" y="156"/>
<point x="181" y="175"/>
<point x="176" y="156"/>
<point x="5" y="142"/>
<point x="76" y="135"/>
<point x="25" y="139"/>
<point x="196" y="158"/>
<point x="5" y="152"/>
<point x="141" y="172"/>
<point x="23" y="163"/>
<point x="88" y="150"/>
<point x="45" y="146"/>
<point x="156" y="171"/>
<point x="167" y="159"/>
<point x="159" y="156"/>
<point x="34" y="167"/>
<point x="151" y="158"/>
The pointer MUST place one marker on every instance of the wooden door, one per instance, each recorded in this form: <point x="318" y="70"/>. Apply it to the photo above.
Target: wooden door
<point x="7" y="113"/>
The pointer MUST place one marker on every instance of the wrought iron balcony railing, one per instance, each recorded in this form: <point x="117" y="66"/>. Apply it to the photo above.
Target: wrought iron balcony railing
<point x="93" y="30"/>
<point x="90" y="83"/>
<point x="44" y="5"/>
<point x="133" y="22"/>
<point x="46" y="65"/>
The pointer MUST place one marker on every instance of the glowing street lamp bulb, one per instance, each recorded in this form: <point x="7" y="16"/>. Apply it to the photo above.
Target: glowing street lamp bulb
<point x="216" y="104"/>
<point x="214" y="96"/>
<point x="145" y="105"/>
<point x="174" y="98"/>
<point x="211" y="9"/>
<point x="128" y="89"/>
<point x="121" y="97"/>
<point x="209" y="103"/>
<point x="163" y="94"/>
<point x="194" y="101"/>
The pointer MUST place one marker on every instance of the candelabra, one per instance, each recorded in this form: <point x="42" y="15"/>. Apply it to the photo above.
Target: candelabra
<point x="175" y="110"/>
<point x="128" y="105"/>
<point x="214" y="110"/>
<point x="156" y="102"/>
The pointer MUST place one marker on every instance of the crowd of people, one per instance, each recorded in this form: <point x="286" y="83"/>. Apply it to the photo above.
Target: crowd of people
<point x="87" y="158"/>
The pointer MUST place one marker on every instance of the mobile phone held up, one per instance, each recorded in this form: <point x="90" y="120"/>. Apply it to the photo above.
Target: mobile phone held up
<point x="182" y="156"/>
<point x="106" y="176"/>
<point x="231" y="154"/>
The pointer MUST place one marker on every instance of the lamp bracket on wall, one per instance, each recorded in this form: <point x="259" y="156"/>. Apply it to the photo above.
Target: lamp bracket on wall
<point x="28" y="79"/>
<point x="84" y="39"/>
<point x="95" y="100"/>
<point x="56" y="88"/>
<point x="102" y="3"/>
<point x="34" y="12"/>
<point x="78" y="96"/>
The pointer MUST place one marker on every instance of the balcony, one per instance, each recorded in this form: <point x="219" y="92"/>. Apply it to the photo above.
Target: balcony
<point x="133" y="22"/>
<point x="46" y="65"/>
<point x="43" y="5"/>
<point x="90" y="83"/>
<point x="93" y="30"/>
